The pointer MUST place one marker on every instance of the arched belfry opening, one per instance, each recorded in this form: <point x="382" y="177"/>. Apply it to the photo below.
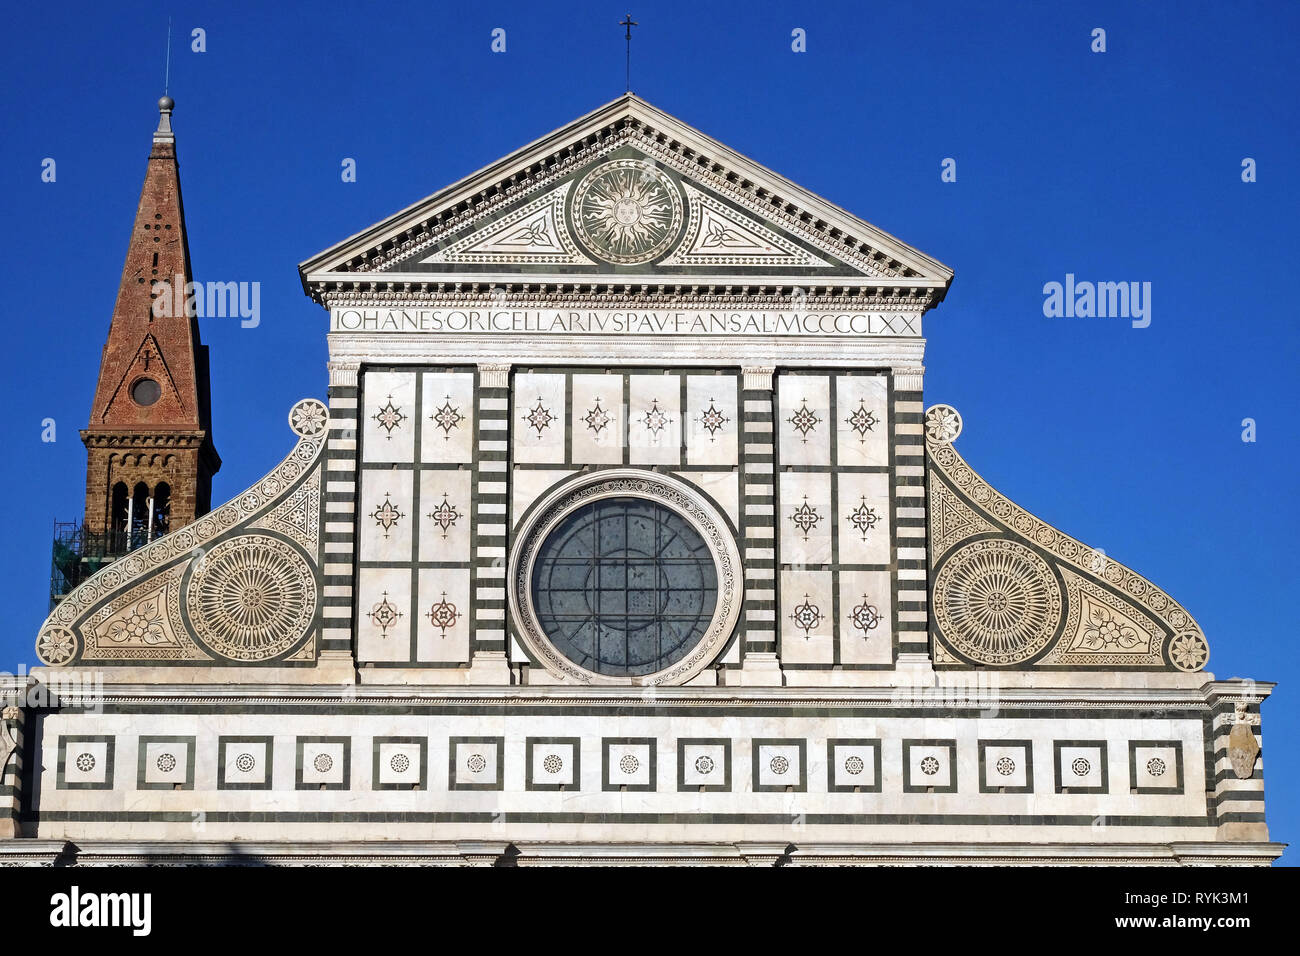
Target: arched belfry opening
<point x="119" y="509"/>
<point x="161" y="509"/>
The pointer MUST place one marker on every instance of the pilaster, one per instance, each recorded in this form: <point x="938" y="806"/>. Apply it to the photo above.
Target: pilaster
<point x="488" y="663"/>
<point x="757" y="457"/>
<point x="909" y="517"/>
<point x="340" y="504"/>
<point x="12" y="718"/>
<point x="1235" y="771"/>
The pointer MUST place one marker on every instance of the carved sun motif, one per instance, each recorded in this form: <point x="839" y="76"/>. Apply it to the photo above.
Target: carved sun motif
<point x="627" y="211"/>
<point x="447" y="417"/>
<point x="539" y="417"/>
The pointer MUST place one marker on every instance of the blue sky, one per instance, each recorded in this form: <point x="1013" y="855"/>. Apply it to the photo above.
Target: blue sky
<point x="1115" y="166"/>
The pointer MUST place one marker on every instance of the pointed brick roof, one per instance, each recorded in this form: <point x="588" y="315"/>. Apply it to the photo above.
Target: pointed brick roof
<point x="144" y="342"/>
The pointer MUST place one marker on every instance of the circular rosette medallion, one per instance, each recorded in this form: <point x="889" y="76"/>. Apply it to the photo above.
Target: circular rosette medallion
<point x="1189" y="652"/>
<point x="997" y="602"/>
<point x="56" y="646"/>
<point x="308" y="418"/>
<point x="627" y="211"/>
<point x="942" y="424"/>
<point x="251" y="598"/>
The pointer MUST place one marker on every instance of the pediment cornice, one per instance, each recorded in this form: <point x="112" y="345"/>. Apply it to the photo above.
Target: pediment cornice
<point x="863" y="259"/>
<point x="518" y="293"/>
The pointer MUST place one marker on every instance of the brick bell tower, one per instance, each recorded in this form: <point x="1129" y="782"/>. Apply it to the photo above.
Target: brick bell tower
<point x="149" y="452"/>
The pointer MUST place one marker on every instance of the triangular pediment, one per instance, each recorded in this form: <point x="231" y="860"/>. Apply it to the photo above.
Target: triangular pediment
<point x="627" y="191"/>
<point x="148" y="362"/>
<point x="532" y="233"/>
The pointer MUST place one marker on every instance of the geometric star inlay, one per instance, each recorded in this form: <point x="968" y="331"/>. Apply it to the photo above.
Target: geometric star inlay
<point x="445" y="515"/>
<point x="386" y="515"/>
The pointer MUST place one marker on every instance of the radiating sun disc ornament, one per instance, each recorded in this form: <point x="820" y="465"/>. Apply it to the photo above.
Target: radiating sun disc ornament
<point x="627" y="211"/>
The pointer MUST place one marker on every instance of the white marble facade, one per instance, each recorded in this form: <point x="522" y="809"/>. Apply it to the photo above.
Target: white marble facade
<point x="942" y="772"/>
<point x="753" y="353"/>
<point x="832" y="509"/>
<point x="414" y="534"/>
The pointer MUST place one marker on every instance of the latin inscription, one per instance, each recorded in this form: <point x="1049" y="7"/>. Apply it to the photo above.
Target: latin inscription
<point x="625" y="322"/>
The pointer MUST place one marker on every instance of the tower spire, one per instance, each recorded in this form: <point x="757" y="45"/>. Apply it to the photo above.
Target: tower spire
<point x="150" y="422"/>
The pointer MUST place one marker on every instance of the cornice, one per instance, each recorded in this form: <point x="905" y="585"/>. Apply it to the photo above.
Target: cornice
<point x="504" y="290"/>
<point x="37" y="852"/>
<point x="122" y="438"/>
<point x="627" y="120"/>
<point x="562" y="696"/>
<point x="11" y="684"/>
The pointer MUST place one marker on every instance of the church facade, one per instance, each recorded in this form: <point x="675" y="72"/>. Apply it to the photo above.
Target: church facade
<point x="625" y="536"/>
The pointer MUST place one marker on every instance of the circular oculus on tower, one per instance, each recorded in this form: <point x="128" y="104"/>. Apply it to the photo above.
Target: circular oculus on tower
<point x="625" y="577"/>
<point x="145" y="392"/>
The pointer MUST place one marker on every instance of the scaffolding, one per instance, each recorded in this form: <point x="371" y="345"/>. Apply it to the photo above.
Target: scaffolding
<point x="79" y="552"/>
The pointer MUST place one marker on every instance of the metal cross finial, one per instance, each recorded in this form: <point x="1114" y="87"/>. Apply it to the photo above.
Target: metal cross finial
<point x="628" y="22"/>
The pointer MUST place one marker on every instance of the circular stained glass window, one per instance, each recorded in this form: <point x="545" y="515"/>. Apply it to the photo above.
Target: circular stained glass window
<point x="146" y="392"/>
<point x="624" y="586"/>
